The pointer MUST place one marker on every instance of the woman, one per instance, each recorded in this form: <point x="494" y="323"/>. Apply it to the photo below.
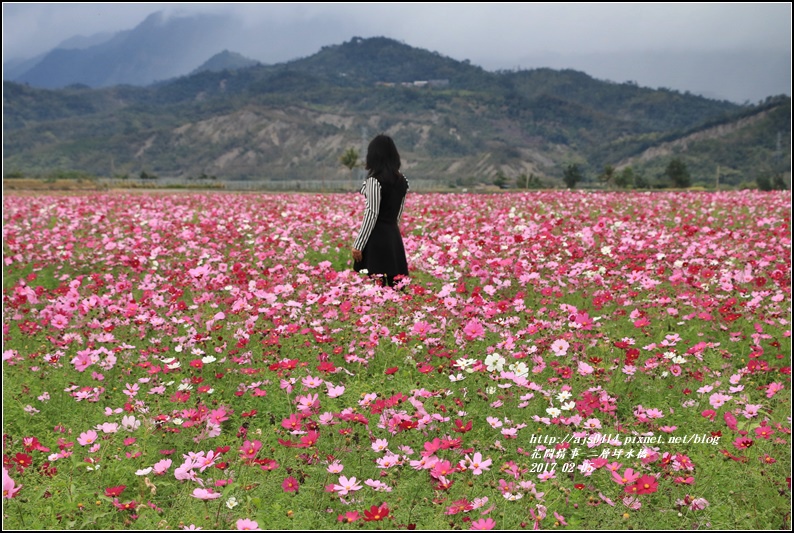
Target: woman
<point x="379" y="247"/>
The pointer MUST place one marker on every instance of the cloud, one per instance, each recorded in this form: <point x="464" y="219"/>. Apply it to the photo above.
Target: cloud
<point x="492" y="35"/>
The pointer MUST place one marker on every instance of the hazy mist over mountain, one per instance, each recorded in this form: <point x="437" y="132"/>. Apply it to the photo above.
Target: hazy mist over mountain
<point x="701" y="52"/>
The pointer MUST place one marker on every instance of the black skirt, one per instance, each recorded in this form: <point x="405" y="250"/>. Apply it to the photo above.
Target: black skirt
<point x="384" y="253"/>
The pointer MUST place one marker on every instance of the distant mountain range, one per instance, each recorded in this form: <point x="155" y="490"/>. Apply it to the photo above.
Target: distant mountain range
<point x="454" y="122"/>
<point x="155" y="50"/>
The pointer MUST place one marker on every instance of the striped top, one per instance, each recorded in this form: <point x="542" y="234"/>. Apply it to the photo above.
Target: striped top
<point x="371" y="189"/>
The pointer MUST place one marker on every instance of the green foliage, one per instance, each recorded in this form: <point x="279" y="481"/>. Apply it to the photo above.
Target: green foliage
<point x="771" y="183"/>
<point x="677" y="173"/>
<point x="350" y="158"/>
<point x="608" y="175"/>
<point x="625" y="178"/>
<point x="500" y="180"/>
<point x="572" y="175"/>
<point x="530" y="181"/>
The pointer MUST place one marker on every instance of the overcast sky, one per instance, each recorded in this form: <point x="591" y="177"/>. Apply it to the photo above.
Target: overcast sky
<point x="603" y="40"/>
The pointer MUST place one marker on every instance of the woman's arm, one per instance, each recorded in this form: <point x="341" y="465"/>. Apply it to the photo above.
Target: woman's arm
<point x="402" y="203"/>
<point x="371" y="191"/>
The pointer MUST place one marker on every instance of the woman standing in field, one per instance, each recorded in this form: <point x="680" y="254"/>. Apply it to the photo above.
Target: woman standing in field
<point x="379" y="247"/>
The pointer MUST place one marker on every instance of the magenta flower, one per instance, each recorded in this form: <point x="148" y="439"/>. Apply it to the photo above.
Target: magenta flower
<point x="349" y="517"/>
<point x="290" y="484"/>
<point x="250" y="449"/>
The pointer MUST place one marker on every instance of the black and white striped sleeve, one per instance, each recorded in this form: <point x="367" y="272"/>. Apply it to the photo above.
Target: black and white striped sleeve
<point x="371" y="191"/>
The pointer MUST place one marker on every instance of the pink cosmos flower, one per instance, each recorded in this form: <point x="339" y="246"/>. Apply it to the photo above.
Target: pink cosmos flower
<point x="349" y="517"/>
<point x="473" y="330"/>
<point x="718" y="399"/>
<point x="380" y="445"/>
<point x="388" y="461"/>
<point x="346" y="485"/>
<point x="311" y="382"/>
<point x="483" y="524"/>
<point x="250" y="449"/>
<point x="764" y="432"/>
<point x="206" y="494"/>
<point x="160" y="467"/>
<point x="87" y="437"/>
<point x="773" y="388"/>
<point x="560" y="347"/>
<point x="335" y="467"/>
<point x="378" y="486"/>
<point x="308" y="402"/>
<point x="10" y="488"/>
<point x="335" y="391"/>
<point x="629" y="476"/>
<point x="560" y="519"/>
<point x="476" y="463"/>
<point x="246" y="524"/>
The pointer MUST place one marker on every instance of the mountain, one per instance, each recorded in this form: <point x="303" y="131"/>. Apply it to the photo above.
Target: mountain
<point x="454" y="122"/>
<point x="225" y="61"/>
<point x="159" y="48"/>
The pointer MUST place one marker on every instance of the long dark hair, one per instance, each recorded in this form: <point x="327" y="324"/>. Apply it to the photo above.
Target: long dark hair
<point x="383" y="160"/>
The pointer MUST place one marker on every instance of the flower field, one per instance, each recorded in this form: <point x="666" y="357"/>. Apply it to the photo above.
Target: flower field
<point x="556" y="360"/>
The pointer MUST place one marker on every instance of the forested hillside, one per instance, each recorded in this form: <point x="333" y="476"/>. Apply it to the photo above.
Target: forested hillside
<point x="454" y="122"/>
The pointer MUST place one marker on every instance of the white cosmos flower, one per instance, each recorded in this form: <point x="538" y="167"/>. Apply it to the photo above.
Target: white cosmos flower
<point x="553" y="412"/>
<point x="519" y="369"/>
<point x="494" y="361"/>
<point x="207" y="359"/>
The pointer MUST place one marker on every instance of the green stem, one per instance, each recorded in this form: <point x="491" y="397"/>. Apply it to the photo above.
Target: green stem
<point x="21" y="514"/>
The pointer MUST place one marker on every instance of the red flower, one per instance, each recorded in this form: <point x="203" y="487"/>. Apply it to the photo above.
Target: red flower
<point x="376" y="513"/>
<point x="23" y="460"/>
<point x="645" y="485"/>
<point x="290" y="485"/>
<point x="460" y="428"/>
<point x="392" y="370"/>
<point x="126" y="506"/>
<point x="114" y="492"/>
